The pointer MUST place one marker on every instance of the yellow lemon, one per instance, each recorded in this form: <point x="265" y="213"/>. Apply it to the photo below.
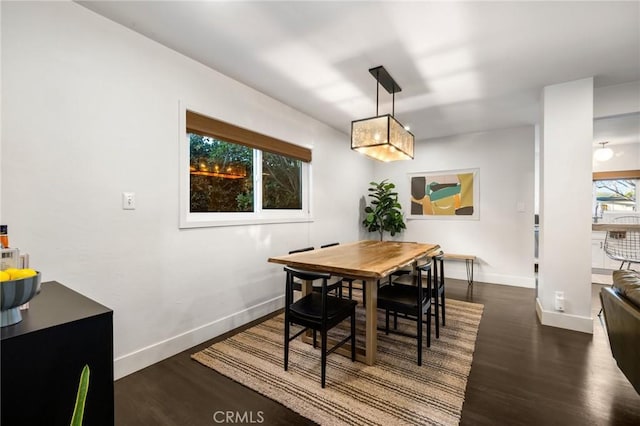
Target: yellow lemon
<point x="11" y="272"/>
<point x="4" y="276"/>
<point x="27" y="272"/>
<point x="22" y="273"/>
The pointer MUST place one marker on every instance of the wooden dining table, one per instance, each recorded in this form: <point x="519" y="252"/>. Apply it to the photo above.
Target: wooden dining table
<point x="369" y="261"/>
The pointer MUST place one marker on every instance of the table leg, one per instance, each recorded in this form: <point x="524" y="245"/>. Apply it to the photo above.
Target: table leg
<point x="307" y="287"/>
<point x="371" y="321"/>
<point x="469" y="264"/>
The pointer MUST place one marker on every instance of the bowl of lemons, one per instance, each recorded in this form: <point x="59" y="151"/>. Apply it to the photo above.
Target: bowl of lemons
<point x="17" y="287"/>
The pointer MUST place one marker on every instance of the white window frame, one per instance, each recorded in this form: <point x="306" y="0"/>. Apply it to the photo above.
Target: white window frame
<point x="258" y="216"/>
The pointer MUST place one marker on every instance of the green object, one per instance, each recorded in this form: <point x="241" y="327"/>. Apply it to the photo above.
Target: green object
<point x="83" y="387"/>
<point x="446" y="192"/>
<point x="384" y="213"/>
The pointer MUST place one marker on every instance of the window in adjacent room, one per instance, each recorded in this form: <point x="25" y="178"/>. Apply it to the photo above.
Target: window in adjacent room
<point x="238" y="176"/>
<point x="616" y="194"/>
<point x="615" y="191"/>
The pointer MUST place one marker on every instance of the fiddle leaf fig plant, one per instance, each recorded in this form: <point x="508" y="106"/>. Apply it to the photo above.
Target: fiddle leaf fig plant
<point x="384" y="214"/>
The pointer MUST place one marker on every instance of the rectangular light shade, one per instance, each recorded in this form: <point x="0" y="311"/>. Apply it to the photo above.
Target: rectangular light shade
<point x="382" y="138"/>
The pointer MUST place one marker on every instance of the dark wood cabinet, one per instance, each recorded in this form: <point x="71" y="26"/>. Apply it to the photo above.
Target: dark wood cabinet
<point x="43" y="355"/>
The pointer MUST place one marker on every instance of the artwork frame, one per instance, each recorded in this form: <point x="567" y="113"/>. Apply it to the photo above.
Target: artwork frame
<point x="445" y="194"/>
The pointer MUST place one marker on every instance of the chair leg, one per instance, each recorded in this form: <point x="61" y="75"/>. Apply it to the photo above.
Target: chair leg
<point x="437" y="315"/>
<point x="315" y="339"/>
<point x="353" y="335"/>
<point x="436" y="278"/>
<point x="429" y="327"/>
<point x="286" y="345"/>
<point x="443" y="305"/>
<point x="386" y="321"/>
<point x="440" y="285"/>
<point x="324" y="356"/>
<point x="419" y="319"/>
<point x="364" y="294"/>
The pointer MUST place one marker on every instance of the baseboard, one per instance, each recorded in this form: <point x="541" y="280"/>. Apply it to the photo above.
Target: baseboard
<point x="512" y="280"/>
<point x="601" y="271"/>
<point x="144" y="357"/>
<point x="562" y="320"/>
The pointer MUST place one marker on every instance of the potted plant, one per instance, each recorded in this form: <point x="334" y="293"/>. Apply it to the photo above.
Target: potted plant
<point x="384" y="213"/>
<point x="81" y="397"/>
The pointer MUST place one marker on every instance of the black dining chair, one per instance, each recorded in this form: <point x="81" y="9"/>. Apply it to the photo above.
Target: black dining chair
<point x="334" y="286"/>
<point x="437" y="291"/>
<point x="318" y="312"/>
<point x="342" y="280"/>
<point x="414" y="301"/>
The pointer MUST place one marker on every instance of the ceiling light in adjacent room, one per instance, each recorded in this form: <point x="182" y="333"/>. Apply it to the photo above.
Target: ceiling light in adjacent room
<point x="603" y="154"/>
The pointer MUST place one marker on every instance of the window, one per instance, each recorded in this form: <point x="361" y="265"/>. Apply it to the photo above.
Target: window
<point x="221" y="176"/>
<point x="615" y="191"/>
<point x="236" y="176"/>
<point x="616" y="195"/>
<point x="281" y="177"/>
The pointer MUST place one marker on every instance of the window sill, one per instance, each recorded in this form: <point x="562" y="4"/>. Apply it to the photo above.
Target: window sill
<point x="209" y="223"/>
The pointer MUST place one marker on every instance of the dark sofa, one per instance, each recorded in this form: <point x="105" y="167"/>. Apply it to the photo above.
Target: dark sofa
<point x="621" y="307"/>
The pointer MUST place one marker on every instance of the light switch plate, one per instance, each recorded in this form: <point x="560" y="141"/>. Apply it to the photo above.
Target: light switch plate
<point x="128" y="201"/>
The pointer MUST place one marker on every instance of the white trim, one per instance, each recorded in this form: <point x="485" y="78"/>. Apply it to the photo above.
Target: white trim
<point x="562" y="320"/>
<point x="457" y="270"/>
<point x="144" y="357"/>
<point x="183" y="161"/>
<point x="492" y="278"/>
<point x="241" y="222"/>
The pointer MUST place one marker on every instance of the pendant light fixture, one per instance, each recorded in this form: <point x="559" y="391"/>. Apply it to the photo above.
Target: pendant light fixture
<point x="382" y="137"/>
<point x="603" y="154"/>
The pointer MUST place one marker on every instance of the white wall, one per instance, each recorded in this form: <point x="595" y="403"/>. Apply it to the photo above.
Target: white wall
<point x="625" y="157"/>
<point x="90" y="110"/>
<point x="616" y="99"/>
<point x="502" y="238"/>
<point x="565" y="204"/>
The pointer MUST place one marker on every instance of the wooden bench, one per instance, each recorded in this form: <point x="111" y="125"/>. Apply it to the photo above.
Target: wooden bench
<point x="468" y="260"/>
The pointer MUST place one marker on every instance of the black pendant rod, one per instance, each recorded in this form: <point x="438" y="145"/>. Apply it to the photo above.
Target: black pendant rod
<point x="377" y="93"/>
<point x="393" y="104"/>
<point x="382" y="77"/>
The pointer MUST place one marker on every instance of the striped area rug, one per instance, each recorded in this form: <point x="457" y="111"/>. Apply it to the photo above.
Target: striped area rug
<point x="394" y="391"/>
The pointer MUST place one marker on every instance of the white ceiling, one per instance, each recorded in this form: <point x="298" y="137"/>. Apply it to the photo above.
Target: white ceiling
<point x="462" y="66"/>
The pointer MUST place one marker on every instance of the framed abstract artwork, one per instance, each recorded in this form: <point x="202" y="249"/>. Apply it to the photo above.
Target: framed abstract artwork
<point x="450" y="194"/>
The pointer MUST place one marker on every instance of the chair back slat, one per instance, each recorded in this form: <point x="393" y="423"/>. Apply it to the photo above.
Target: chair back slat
<point x="306" y="275"/>
<point x="329" y="245"/>
<point x="301" y="250"/>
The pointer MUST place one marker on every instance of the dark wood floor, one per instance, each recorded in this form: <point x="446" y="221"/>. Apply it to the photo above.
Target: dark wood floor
<point x="522" y="374"/>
